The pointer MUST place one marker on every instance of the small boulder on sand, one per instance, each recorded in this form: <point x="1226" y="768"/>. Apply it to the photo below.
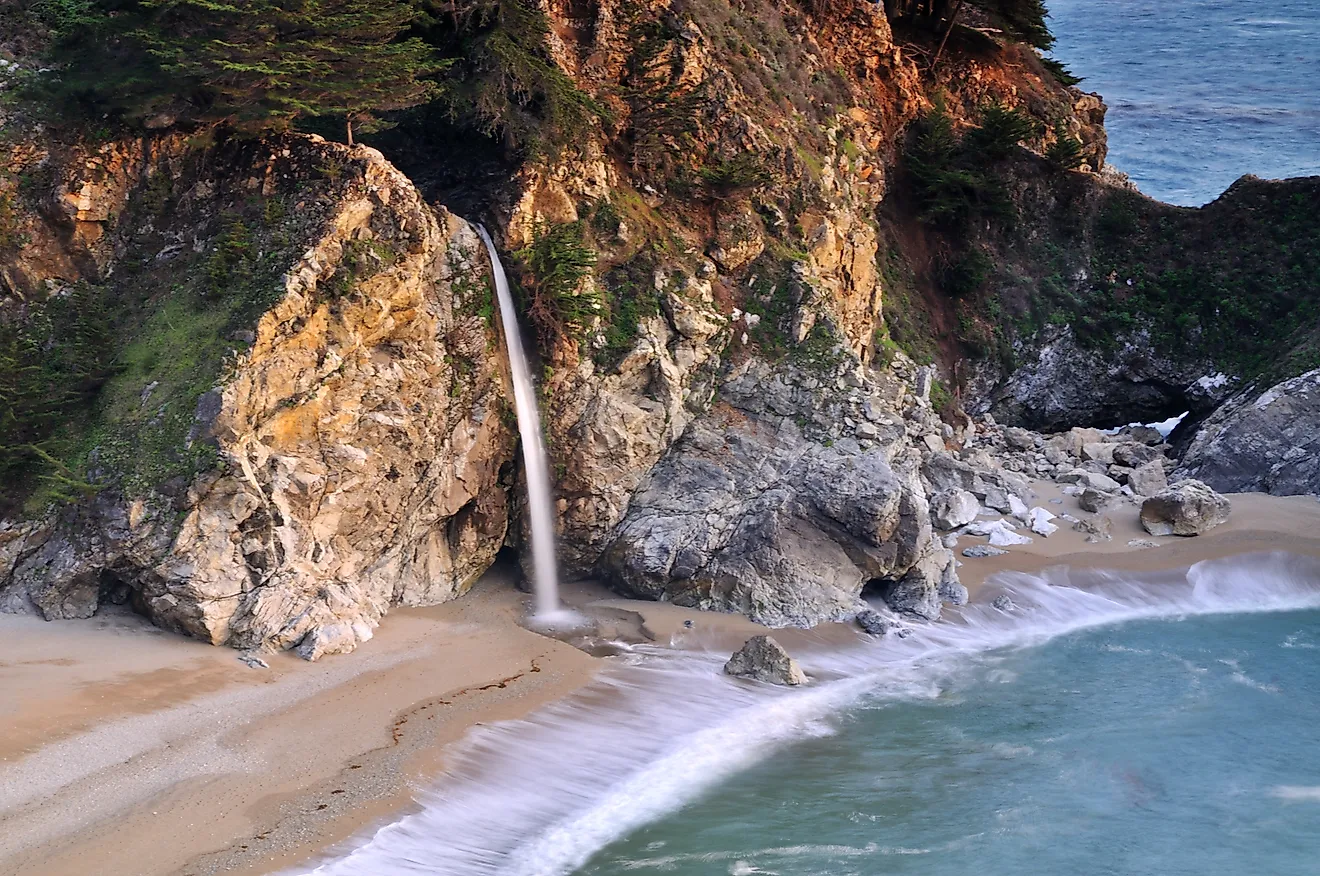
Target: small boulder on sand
<point x="764" y="659"/>
<point x="1186" y="508"/>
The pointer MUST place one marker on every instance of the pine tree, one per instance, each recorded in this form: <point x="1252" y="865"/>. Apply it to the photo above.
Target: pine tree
<point x="253" y="64"/>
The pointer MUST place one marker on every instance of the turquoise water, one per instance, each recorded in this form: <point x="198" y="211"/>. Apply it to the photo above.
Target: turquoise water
<point x="1109" y="723"/>
<point x="1161" y="747"/>
<point x="1200" y="91"/>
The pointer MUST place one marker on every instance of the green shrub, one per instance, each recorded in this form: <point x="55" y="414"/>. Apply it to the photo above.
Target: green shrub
<point x="556" y="262"/>
<point x="951" y="179"/>
<point x="964" y="273"/>
<point x="1000" y="131"/>
<point x="735" y="176"/>
<point x="1065" y="151"/>
<point x="1062" y="74"/>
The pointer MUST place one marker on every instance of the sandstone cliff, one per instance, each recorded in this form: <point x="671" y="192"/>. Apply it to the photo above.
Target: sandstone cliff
<point x="357" y="425"/>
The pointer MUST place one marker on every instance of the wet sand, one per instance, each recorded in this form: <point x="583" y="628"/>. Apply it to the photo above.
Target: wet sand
<point x="128" y="750"/>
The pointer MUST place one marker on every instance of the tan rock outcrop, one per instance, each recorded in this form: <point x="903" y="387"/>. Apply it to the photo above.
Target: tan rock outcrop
<point x="360" y="440"/>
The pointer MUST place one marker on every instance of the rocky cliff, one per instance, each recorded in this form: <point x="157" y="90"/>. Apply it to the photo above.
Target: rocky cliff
<point x="340" y="455"/>
<point x="782" y="254"/>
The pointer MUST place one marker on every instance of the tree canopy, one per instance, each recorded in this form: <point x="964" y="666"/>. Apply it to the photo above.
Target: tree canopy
<point x="253" y="63"/>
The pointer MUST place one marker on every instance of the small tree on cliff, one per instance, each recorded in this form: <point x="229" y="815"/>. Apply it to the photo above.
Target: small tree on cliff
<point x="253" y="64"/>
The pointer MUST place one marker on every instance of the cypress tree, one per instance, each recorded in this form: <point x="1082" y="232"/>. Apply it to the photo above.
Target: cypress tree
<point x="249" y="63"/>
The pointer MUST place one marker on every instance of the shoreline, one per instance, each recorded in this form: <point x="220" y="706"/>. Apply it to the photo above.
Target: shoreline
<point x="171" y="756"/>
<point x="252" y="770"/>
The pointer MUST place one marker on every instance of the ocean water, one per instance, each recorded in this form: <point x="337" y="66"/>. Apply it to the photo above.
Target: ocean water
<point x="1200" y="91"/>
<point x="1108" y="724"/>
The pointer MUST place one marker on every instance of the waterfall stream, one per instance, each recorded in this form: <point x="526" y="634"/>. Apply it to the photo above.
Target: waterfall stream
<point x="535" y="461"/>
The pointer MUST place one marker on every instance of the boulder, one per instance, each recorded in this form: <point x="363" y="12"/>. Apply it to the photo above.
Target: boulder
<point x="1261" y="442"/>
<point x="1120" y="473"/>
<point x="1094" y="500"/>
<point x="1096" y="529"/>
<point x="750" y="512"/>
<point x="1133" y="454"/>
<point x="1100" y="451"/>
<point x="1142" y="434"/>
<point x="980" y="551"/>
<point x="914" y="596"/>
<point x="1002" y="535"/>
<point x="1188" y="507"/>
<point x="1148" y="479"/>
<point x="764" y="659"/>
<point x="1020" y="439"/>
<point x="876" y="624"/>
<point x="1003" y="603"/>
<point x="953" y="508"/>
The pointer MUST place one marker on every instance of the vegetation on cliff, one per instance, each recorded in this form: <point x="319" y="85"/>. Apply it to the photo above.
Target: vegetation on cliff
<point x="100" y="381"/>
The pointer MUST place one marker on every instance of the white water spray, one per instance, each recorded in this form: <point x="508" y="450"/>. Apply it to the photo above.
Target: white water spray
<point x="541" y="796"/>
<point x="545" y="576"/>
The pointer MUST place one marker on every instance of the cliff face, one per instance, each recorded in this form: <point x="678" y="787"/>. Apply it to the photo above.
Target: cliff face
<point x="356" y="426"/>
<point x="298" y="416"/>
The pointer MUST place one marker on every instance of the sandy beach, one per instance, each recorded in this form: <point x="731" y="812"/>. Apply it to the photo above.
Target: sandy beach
<point x="128" y="750"/>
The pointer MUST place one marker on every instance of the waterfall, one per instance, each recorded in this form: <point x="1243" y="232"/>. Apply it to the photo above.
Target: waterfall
<point x="535" y="460"/>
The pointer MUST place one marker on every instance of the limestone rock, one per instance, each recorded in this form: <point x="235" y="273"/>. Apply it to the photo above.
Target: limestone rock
<point x="1039" y="522"/>
<point x="1094" y="500"/>
<point x="1188" y="507"/>
<point x="764" y="659"/>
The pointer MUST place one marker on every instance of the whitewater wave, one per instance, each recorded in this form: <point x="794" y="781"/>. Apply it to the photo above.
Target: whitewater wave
<point x="540" y="797"/>
<point x="1297" y="793"/>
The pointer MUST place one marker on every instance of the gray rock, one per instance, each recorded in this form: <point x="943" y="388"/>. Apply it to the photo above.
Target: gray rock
<point x="977" y="551"/>
<point x="1060" y="382"/>
<point x="1142" y="434"/>
<point x="876" y="624"/>
<point x="1148" y="479"/>
<point x="338" y="638"/>
<point x="953" y="592"/>
<point x="1094" y="500"/>
<point x="1020" y="439"/>
<point x="1003" y="603"/>
<point x="954" y="508"/>
<point x="790" y="529"/>
<point x="1134" y="455"/>
<point x="1187" y="508"/>
<point x="1261" y="442"/>
<point x="1101" y="452"/>
<point x="1096" y="530"/>
<point x="1120" y="473"/>
<point x="764" y="659"/>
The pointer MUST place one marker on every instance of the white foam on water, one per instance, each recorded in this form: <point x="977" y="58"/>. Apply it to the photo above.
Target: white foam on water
<point x="540" y="797"/>
<point x="1297" y="793"/>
